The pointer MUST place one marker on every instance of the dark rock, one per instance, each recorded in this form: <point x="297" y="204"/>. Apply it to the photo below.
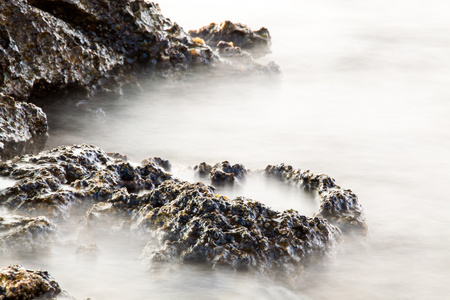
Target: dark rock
<point x="197" y="226"/>
<point x="338" y="205"/>
<point x="221" y="173"/>
<point x="23" y="128"/>
<point x="18" y="283"/>
<point x="87" y="45"/>
<point x="235" y="35"/>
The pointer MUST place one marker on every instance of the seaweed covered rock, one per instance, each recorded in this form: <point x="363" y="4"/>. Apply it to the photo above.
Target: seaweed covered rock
<point x="87" y="45"/>
<point x="18" y="283"/>
<point x="235" y="35"/>
<point x="339" y="206"/>
<point x="23" y="128"/>
<point x="197" y="226"/>
<point x="19" y="233"/>
<point x="221" y="173"/>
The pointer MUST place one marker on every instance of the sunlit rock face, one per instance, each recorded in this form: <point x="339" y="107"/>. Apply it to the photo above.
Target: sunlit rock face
<point x="23" y="128"/>
<point x="18" y="283"/>
<point x="54" y="45"/>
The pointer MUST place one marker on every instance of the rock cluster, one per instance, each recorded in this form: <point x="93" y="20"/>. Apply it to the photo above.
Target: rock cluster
<point x="18" y="283"/>
<point x="191" y="223"/>
<point x="221" y="173"/>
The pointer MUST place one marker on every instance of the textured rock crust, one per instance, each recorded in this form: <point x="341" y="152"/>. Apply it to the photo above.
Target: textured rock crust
<point x="23" y="128"/>
<point x="91" y="45"/>
<point x="339" y="206"/>
<point x="185" y="222"/>
<point x="236" y="35"/>
<point x="17" y="283"/>
<point x="221" y="173"/>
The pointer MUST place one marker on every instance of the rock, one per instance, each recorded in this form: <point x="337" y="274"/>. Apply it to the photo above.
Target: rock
<point x="19" y="233"/>
<point x="339" y="206"/>
<point x="235" y="35"/>
<point x="221" y="173"/>
<point x="183" y="222"/>
<point x="197" y="226"/>
<point x="23" y="128"/>
<point x="48" y="46"/>
<point x="18" y="283"/>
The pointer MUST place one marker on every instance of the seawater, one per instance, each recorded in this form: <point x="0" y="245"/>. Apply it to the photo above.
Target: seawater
<point x="363" y="97"/>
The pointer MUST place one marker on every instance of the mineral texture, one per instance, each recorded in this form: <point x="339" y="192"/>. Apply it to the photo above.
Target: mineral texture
<point x="23" y="128"/>
<point x="17" y="283"/>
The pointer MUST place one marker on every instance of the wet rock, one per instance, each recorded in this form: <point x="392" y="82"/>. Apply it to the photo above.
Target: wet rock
<point x="23" y="128"/>
<point x="18" y="283"/>
<point x="19" y="233"/>
<point x="235" y="35"/>
<point x="339" y="206"/>
<point x="88" y="45"/>
<point x="197" y="226"/>
<point x="50" y="182"/>
<point x="221" y="173"/>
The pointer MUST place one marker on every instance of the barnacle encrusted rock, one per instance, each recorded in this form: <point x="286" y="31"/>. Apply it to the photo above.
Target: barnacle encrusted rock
<point x="339" y="206"/>
<point x="236" y="35"/>
<point x="18" y="283"/>
<point x="23" y="128"/>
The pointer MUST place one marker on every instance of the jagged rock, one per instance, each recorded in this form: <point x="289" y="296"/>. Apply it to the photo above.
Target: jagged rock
<point x="221" y="173"/>
<point x="235" y="35"/>
<point x="197" y="226"/>
<point x="23" y="128"/>
<point x="19" y="233"/>
<point x="339" y="206"/>
<point x="191" y="222"/>
<point x="50" y="182"/>
<point x="89" y="45"/>
<point x="18" y="283"/>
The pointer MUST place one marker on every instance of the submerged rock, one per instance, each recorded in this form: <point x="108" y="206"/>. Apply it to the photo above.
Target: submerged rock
<point x="221" y="173"/>
<point x="21" y="234"/>
<point x="18" y="283"/>
<point x="183" y="222"/>
<point x="197" y="226"/>
<point x="339" y="206"/>
<point x="23" y="128"/>
<point x="235" y="35"/>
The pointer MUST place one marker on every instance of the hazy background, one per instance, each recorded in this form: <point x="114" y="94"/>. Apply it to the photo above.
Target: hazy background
<point x="363" y="96"/>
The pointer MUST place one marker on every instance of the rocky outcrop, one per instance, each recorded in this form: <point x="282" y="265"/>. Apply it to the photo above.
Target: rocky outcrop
<point x="23" y="128"/>
<point x="235" y="35"/>
<point x="88" y="45"/>
<point x="191" y="223"/>
<point x="339" y="206"/>
<point x="18" y="283"/>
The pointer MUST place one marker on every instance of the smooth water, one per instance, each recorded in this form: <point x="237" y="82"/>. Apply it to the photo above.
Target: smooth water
<point x="363" y="97"/>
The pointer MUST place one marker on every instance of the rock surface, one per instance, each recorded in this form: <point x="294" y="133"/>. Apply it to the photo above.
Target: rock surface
<point x="23" y="128"/>
<point x="257" y="42"/>
<point x="18" y="283"/>
<point x="339" y="206"/>
<point x="89" y="45"/>
<point x="184" y="222"/>
<point x="221" y="173"/>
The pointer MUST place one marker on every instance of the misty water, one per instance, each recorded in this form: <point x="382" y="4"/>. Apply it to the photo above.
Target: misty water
<point x="363" y="97"/>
